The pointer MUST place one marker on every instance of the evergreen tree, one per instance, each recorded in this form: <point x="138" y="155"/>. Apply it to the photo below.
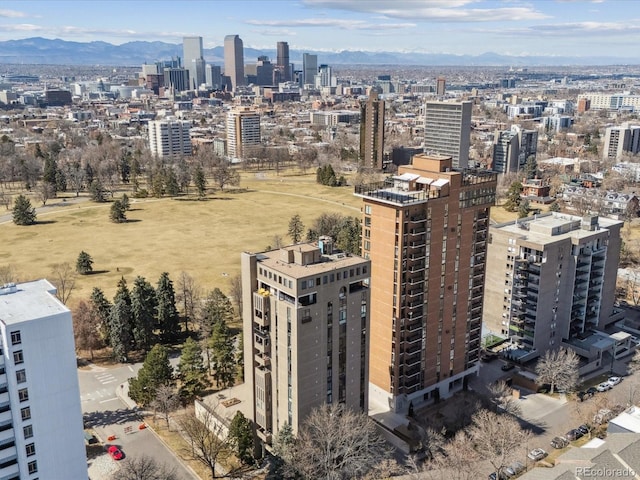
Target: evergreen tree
<point x="97" y="191"/>
<point x="554" y="207"/>
<point x="531" y="168"/>
<point x="156" y="371"/>
<point x="126" y="203"/>
<point x="171" y="183"/>
<point x="283" y="445"/>
<point x="102" y="307"/>
<point x="23" y="212"/>
<point x="513" y="197"/>
<point x="143" y="306"/>
<point x="524" y="209"/>
<point x="241" y="437"/>
<point x="240" y="356"/>
<point x="296" y="228"/>
<point x="200" y="181"/>
<point x="120" y="319"/>
<point x="222" y="355"/>
<point x="348" y="238"/>
<point x="192" y="371"/>
<point x="50" y="172"/>
<point x="166" y="308"/>
<point x="118" y="212"/>
<point x="84" y="263"/>
<point x="217" y="308"/>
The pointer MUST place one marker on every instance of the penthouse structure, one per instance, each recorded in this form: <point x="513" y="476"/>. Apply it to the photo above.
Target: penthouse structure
<point x="170" y="138"/>
<point x="39" y="393"/>
<point x="550" y="278"/>
<point x="447" y="130"/>
<point x="425" y="232"/>
<point x="306" y="332"/>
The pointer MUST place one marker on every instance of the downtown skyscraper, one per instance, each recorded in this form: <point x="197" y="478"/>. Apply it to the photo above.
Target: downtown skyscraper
<point x="234" y="60"/>
<point x="194" y="61"/>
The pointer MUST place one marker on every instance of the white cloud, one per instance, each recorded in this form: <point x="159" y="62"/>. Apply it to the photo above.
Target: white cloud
<point x="332" y="23"/>
<point x="12" y="14"/>
<point x="573" y="29"/>
<point x="20" y="27"/>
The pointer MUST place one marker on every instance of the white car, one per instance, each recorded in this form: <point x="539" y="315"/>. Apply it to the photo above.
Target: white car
<point x="603" y="387"/>
<point x="614" y="381"/>
<point x="537" y="454"/>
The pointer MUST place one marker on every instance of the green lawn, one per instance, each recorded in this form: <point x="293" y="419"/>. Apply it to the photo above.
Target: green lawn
<point x="202" y="238"/>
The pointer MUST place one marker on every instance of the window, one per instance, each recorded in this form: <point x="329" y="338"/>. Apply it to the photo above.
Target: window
<point x="21" y="376"/>
<point x="23" y="394"/>
<point x="16" y="338"/>
<point x="27" y="431"/>
<point x="33" y="467"/>
<point x="25" y="413"/>
<point x="18" y="358"/>
<point x="30" y="449"/>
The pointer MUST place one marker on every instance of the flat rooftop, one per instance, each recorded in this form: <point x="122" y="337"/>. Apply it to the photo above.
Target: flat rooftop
<point x="273" y="260"/>
<point x="29" y="301"/>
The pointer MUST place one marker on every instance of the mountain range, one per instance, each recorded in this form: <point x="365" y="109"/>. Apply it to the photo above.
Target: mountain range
<point x="39" y="50"/>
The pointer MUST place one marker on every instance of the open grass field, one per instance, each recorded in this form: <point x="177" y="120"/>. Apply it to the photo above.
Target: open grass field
<point x="202" y="238"/>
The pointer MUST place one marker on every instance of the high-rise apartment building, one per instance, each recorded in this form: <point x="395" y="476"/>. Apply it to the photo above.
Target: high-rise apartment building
<point x="441" y="86"/>
<point x="425" y="232"/>
<point x="243" y="130"/>
<point x="550" y="278"/>
<point x="170" y="138"/>
<point x="621" y="140"/>
<point x="309" y="68"/>
<point x="372" y="131"/>
<point x="305" y="324"/>
<point x="41" y="431"/>
<point x="194" y="61"/>
<point x="282" y="61"/>
<point x="527" y="144"/>
<point x="234" y="60"/>
<point x="447" y="130"/>
<point x="505" y="152"/>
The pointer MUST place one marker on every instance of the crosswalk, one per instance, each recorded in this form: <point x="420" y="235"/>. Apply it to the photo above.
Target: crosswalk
<point x="102" y="395"/>
<point x="105" y="378"/>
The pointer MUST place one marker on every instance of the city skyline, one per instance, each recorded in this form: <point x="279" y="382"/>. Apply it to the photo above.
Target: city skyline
<point x="509" y="27"/>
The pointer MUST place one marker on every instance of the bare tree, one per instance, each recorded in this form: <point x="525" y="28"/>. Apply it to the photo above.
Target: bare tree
<point x="224" y="174"/>
<point x="337" y="443"/>
<point x="501" y="396"/>
<point x="64" y="279"/>
<point x="144" y="468"/>
<point x="497" y="438"/>
<point x="559" y="368"/>
<point x="187" y="295"/>
<point x="235" y="291"/>
<point x="45" y="191"/>
<point x="8" y="274"/>
<point x="5" y="200"/>
<point x="208" y="443"/>
<point x="86" y="328"/>
<point x="458" y="461"/>
<point x="165" y="403"/>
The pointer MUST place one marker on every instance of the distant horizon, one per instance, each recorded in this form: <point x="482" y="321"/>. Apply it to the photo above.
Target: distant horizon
<point x="518" y="28"/>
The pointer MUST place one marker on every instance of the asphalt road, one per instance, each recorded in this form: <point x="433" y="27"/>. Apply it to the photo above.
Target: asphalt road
<point x="108" y="415"/>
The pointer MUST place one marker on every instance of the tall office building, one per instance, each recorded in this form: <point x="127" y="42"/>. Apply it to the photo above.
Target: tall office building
<point x="309" y="68"/>
<point x="234" y="60"/>
<point x="441" y="86"/>
<point x="550" y="278"/>
<point x="621" y="140"/>
<point x="264" y="71"/>
<point x="213" y="76"/>
<point x="194" y="61"/>
<point x="325" y="77"/>
<point x="170" y="138"/>
<point x="372" y="131"/>
<point x="305" y="326"/>
<point x="176" y="79"/>
<point x="282" y="61"/>
<point x="41" y="431"/>
<point x="425" y="232"/>
<point x="447" y="130"/>
<point x="243" y="130"/>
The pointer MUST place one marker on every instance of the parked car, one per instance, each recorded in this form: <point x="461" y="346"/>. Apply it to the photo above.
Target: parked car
<point x="559" y="442"/>
<point x="574" y="434"/>
<point x="508" y="366"/>
<point x="584" y="395"/>
<point x="603" y="387"/>
<point x="584" y="429"/>
<point x="115" y="452"/>
<point x="603" y="416"/>
<point x="537" y="454"/>
<point x="614" y="381"/>
<point x="592" y="390"/>
<point x="514" y="469"/>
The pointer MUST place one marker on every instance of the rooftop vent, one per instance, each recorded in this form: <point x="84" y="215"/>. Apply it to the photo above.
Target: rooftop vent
<point x="8" y="288"/>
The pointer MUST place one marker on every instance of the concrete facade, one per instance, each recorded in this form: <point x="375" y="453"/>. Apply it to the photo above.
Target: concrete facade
<point x="447" y="130"/>
<point x="372" y="132"/>
<point x="243" y="130"/>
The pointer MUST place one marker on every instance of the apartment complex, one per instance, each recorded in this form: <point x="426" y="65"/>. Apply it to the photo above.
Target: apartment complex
<point x="243" y="130"/>
<point x="39" y="393"/>
<point x="447" y="130"/>
<point x="305" y="323"/>
<point x="170" y="138"/>
<point x="234" y="60"/>
<point x="621" y="140"/>
<point x="608" y="101"/>
<point x="550" y="278"/>
<point x="372" y="131"/>
<point x="512" y="148"/>
<point x="425" y="231"/>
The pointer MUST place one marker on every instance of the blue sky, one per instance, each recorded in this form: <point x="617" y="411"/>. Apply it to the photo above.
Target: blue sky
<point x="516" y="27"/>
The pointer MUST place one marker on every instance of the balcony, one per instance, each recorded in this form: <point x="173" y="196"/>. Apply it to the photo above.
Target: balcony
<point x="263" y="360"/>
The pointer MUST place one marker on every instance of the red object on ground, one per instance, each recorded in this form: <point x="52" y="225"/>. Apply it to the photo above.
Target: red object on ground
<point x="115" y="452"/>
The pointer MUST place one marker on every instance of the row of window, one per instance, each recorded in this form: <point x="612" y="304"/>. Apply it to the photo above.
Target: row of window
<point x="333" y="277"/>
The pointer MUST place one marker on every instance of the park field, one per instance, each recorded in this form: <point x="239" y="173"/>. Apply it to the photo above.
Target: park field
<point x="203" y="238"/>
